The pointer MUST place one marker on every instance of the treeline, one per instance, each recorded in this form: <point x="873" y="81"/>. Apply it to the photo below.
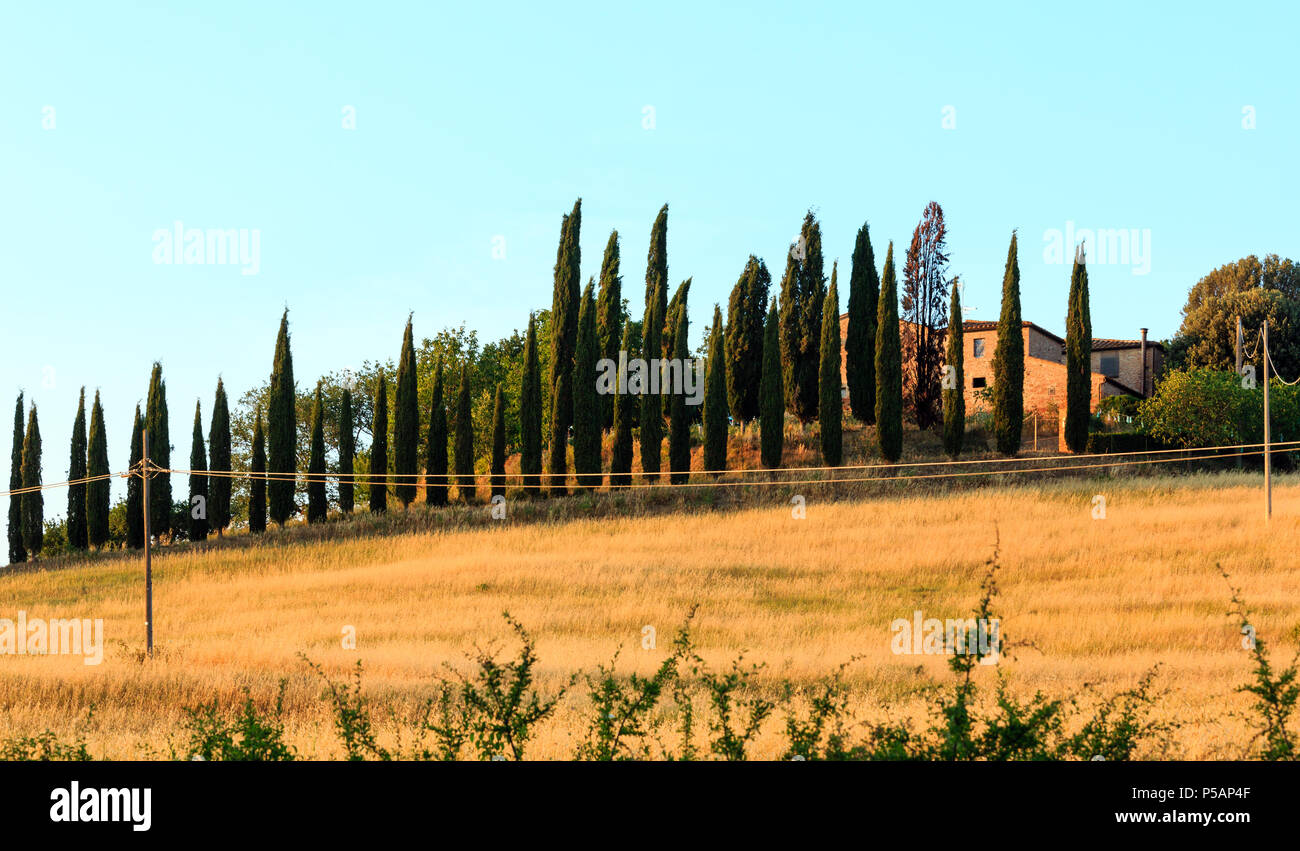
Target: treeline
<point x="451" y="409"/>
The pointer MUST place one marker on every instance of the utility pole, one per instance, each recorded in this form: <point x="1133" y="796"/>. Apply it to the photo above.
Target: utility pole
<point x="148" y="562"/>
<point x="1268" y="464"/>
<point x="1239" y="347"/>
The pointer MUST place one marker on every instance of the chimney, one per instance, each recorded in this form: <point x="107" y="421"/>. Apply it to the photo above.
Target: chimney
<point x="1143" y="350"/>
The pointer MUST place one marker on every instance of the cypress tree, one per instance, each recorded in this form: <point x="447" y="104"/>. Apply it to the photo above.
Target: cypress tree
<point x="17" y="552"/>
<point x="160" y="455"/>
<point x="465" y="485"/>
<point x="746" y="310"/>
<point x="530" y="415"/>
<point x="1078" y="358"/>
<point x="1009" y="361"/>
<point x="656" y="263"/>
<point x="135" y="486"/>
<point x="435" y="450"/>
<point x="586" y="401"/>
<point x="498" y="444"/>
<point x="715" y="397"/>
<point x="803" y="292"/>
<point x="669" y="342"/>
<point x="860" y="336"/>
<point x="257" y="483"/>
<point x="609" y="318"/>
<point x="771" y="393"/>
<point x="564" y="337"/>
<point x="652" y="423"/>
<point x="317" y="504"/>
<point x="33" y="500"/>
<point x="954" y="381"/>
<point x="198" y="508"/>
<point x="347" y="453"/>
<point x="78" y="535"/>
<point x="379" y="449"/>
<point x="889" y="366"/>
<point x="219" y="455"/>
<point x="625" y="411"/>
<point x="282" y="428"/>
<point x="829" y="405"/>
<point x="679" y="430"/>
<point x="97" y="492"/>
<point x="406" y="423"/>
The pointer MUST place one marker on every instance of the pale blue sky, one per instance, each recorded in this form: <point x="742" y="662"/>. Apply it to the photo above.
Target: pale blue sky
<point x="476" y="121"/>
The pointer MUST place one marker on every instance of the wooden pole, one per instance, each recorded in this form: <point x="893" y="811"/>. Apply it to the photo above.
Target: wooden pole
<point x="148" y="560"/>
<point x="1268" y="463"/>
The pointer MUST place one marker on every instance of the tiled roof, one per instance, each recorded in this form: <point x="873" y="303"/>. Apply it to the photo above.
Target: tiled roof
<point x="1101" y="344"/>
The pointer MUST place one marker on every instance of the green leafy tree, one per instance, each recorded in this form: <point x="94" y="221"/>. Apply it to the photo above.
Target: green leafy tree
<point x="586" y="401"/>
<point x="378" y="477"/>
<point x="803" y="292"/>
<point x="160" y="455"/>
<point x="860" y="336"/>
<point x="33" y="500"/>
<point x="771" y="393"/>
<point x="498" y="444"/>
<point x="78" y="535"/>
<point x="1078" y="358"/>
<point x="197" y="516"/>
<point x="715" y="397"/>
<point x="465" y="485"/>
<point x="317" y="505"/>
<point x="889" y="366"/>
<point x="1254" y="289"/>
<point x="564" y="337"/>
<point x="530" y="414"/>
<point x="406" y="423"/>
<point x="282" y="428"/>
<point x="1009" y="361"/>
<point x="609" y="317"/>
<point x="954" y="381"/>
<point x="830" y="407"/>
<point x="97" y="492"/>
<point x="746" y="310"/>
<point x="347" y="454"/>
<point x="135" y="486"/>
<point x="257" y="479"/>
<point x="625" y="411"/>
<point x="219" y="486"/>
<point x="652" y="423"/>
<point x="435" y="454"/>
<point x="17" y="552"/>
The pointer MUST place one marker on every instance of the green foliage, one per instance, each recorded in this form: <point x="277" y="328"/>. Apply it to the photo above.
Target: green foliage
<point x="860" y="336"/>
<point x="625" y="411"/>
<point x="889" y="366"/>
<point x="219" y="487"/>
<point x="1275" y="691"/>
<point x="197" y="526"/>
<point x="257" y="475"/>
<point x="803" y="292"/>
<point x="530" y="414"/>
<point x="499" y="444"/>
<point x="406" y="422"/>
<point x="586" y="401"/>
<point x="43" y="747"/>
<point x="1254" y="290"/>
<point x="241" y="736"/>
<point x="746" y="312"/>
<point x="652" y="423"/>
<point x="282" y="429"/>
<point x="347" y="453"/>
<point x="352" y="720"/>
<point x="1078" y="358"/>
<point x="464" y="440"/>
<point x="564" y="338"/>
<point x="609" y="318"/>
<point x="1009" y="360"/>
<point x="17" y="552"/>
<point x="78" y="535"/>
<point x="378" y="472"/>
<point x="738" y="708"/>
<point x="1100" y="442"/>
<point x="160" y="455"/>
<point x="1208" y="407"/>
<point x="679" y="425"/>
<point x="97" y="493"/>
<point x="135" y="487"/>
<point x="716" y="402"/>
<point x="676" y="307"/>
<point x="317" y="504"/>
<point x="33" y="519"/>
<point x="954" y="392"/>
<point x="772" y="394"/>
<point x="925" y="294"/>
<point x="830" y="406"/>
<point x="435" y="452"/>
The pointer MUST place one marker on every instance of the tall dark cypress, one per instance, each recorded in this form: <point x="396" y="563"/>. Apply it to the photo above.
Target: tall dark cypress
<point x="347" y="453"/>
<point x="435" y="450"/>
<point x="33" y="500"/>
<point x="652" y="422"/>
<point x="317" y="504"/>
<point x="498" y="444"/>
<point x="257" y="479"/>
<point x="803" y="292"/>
<point x="378" y="477"/>
<point x="135" y="486"/>
<point x="406" y="423"/>
<point x="679" y="428"/>
<point x="586" y="401"/>
<point x="669" y="343"/>
<point x="954" y="381"/>
<point x="829" y="406"/>
<point x="771" y="393"/>
<point x="860" y="336"/>
<point x="564" y="338"/>
<point x="625" y="411"/>
<point x="889" y="366"/>
<point x="530" y="415"/>
<point x="97" y="492"/>
<point x="464" y="451"/>
<point x="656" y="262"/>
<point x="160" y="455"/>
<point x="746" y="310"/>
<point x="1009" y="361"/>
<point x="219" y="458"/>
<point x="1078" y="357"/>
<point x="715" y="397"/>
<point x="78" y="535"/>
<point x="197" y="513"/>
<point x="17" y="552"/>
<point x="609" y="318"/>
<point x="282" y="430"/>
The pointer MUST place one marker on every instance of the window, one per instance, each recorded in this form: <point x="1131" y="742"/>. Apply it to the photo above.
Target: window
<point x="1110" y="366"/>
<point x="978" y="382"/>
<point x="979" y="352"/>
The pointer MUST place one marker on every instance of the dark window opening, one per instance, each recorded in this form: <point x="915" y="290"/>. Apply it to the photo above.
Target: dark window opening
<point x="977" y="382"/>
<point x="1110" y="366"/>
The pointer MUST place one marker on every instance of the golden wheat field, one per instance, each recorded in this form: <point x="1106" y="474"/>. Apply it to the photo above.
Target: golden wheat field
<point x="1100" y="600"/>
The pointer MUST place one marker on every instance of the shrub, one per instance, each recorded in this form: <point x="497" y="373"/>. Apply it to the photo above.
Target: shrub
<point x="242" y="736"/>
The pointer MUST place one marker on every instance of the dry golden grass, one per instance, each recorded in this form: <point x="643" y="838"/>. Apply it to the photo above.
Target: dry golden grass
<point x="1101" y="600"/>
